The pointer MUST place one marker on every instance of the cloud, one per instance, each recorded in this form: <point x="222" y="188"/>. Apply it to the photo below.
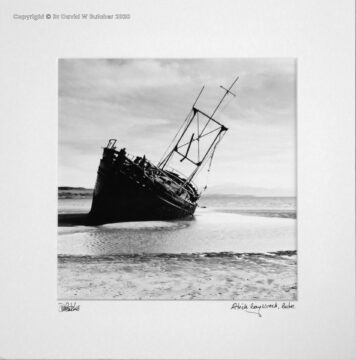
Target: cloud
<point x="143" y="102"/>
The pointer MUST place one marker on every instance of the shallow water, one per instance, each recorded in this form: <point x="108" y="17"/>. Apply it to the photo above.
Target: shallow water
<point x="231" y="240"/>
<point x="209" y="231"/>
<point x="226" y="224"/>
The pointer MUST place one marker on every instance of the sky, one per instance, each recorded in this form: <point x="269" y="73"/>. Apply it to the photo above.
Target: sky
<point x="143" y="102"/>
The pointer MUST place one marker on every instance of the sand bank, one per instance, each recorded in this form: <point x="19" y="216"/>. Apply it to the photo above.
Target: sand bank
<point x="212" y="276"/>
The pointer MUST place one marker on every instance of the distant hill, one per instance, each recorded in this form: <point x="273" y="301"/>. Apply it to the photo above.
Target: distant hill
<point x="69" y="192"/>
<point x="209" y="195"/>
<point x="232" y="189"/>
<point x="72" y="188"/>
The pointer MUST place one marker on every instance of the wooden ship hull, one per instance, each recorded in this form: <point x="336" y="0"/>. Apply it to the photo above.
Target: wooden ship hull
<point x="133" y="189"/>
<point x="128" y="191"/>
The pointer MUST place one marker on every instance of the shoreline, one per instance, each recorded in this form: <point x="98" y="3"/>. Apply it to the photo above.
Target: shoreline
<point x="282" y="214"/>
<point x="222" y="254"/>
<point x="80" y="219"/>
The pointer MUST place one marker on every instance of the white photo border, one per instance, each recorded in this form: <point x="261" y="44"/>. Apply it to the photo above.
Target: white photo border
<point x="320" y="35"/>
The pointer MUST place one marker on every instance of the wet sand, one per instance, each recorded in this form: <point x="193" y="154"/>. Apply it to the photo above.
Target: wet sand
<point x="283" y="214"/>
<point x="247" y="252"/>
<point x="210" y="276"/>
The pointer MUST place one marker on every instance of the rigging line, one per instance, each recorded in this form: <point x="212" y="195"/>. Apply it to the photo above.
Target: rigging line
<point x="199" y="137"/>
<point x="208" y="171"/>
<point x="210" y="162"/>
<point x="207" y="156"/>
<point x="188" y="148"/>
<point x="187" y="123"/>
<point x="198" y="96"/>
<point x="186" y="119"/>
<point x="165" y="161"/>
<point x="184" y="122"/>
<point x="211" y="154"/>
<point x="176" y="135"/>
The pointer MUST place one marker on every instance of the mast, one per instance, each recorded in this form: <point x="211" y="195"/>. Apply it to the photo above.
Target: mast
<point x="165" y="160"/>
<point x="227" y="91"/>
<point x="198" y="133"/>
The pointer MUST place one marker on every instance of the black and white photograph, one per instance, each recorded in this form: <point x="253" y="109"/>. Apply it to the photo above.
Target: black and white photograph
<point x="177" y="179"/>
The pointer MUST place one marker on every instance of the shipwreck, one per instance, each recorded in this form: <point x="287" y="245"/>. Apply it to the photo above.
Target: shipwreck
<point x="132" y="188"/>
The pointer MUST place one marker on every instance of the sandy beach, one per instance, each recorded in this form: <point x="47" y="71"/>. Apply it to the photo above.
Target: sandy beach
<point x="244" y="251"/>
<point x="212" y="276"/>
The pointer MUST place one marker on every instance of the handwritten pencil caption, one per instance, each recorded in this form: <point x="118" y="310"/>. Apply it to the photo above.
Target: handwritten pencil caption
<point x="258" y="308"/>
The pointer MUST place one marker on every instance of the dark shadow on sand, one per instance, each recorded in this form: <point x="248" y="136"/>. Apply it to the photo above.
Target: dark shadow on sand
<point x="73" y="219"/>
<point x="83" y="219"/>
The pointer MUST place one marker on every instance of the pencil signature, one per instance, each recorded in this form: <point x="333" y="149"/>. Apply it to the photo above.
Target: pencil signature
<point x="68" y="306"/>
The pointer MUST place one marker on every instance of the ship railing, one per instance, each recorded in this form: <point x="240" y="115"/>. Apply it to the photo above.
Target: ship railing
<point x="179" y="173"/>
<point x="174" y="179"/>
<point x="171" y="173"/>
<point x="158" y="171"/>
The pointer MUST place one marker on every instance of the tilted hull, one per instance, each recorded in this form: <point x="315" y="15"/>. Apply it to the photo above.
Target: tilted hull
<point x="124" y="192"/>
<point x="130" y="189"/>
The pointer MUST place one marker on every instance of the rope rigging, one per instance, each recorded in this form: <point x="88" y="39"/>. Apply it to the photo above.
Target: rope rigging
<point x="204" y="150"/>
<point x="175" y="137"/>
<point x="211" y="157"/>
